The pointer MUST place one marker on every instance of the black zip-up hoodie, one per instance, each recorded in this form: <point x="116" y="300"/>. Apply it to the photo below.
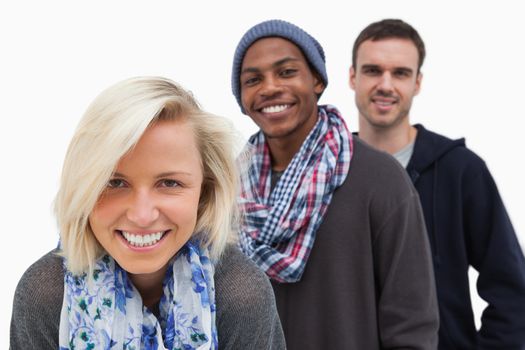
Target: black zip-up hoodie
<point x="468" y="226"/>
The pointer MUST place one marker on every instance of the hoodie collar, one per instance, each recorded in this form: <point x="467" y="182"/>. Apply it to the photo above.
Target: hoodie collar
<point x="429" y="147"/>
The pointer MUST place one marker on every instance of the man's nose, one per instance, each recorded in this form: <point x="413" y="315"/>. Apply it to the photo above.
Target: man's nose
<point x="385" y="82"/>
<point x="270" y="86"/>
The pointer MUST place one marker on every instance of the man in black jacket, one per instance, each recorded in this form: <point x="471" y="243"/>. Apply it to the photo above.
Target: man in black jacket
<point x="466" y="220"/>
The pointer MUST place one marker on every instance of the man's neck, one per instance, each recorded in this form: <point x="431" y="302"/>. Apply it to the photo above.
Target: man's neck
<point x="391" y="139"/>
<point x="282" y="152"/>
<point x="283" y="149"/>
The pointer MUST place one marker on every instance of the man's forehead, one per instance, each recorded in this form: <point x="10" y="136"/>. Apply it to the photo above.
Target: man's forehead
<point x="392" y="52"/>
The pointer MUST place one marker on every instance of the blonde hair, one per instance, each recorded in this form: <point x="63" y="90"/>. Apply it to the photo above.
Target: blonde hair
<point x="110" y="127"/>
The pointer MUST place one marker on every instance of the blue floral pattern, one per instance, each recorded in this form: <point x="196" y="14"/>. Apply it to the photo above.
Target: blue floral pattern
<point x="105" y="311"/>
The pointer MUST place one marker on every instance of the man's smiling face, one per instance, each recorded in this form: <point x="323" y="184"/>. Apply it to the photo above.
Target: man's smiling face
<point x="385" y="81"/>
<point x="278" y="89"/>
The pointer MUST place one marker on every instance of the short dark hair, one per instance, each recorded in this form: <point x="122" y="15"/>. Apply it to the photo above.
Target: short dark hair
<point x="390" y="28"/>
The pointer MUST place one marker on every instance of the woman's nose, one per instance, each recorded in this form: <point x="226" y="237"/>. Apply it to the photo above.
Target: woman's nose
<point x="142" y="209"/>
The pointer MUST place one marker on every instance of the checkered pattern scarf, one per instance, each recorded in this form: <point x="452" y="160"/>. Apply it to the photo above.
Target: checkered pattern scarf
<point x="279" y="226"/>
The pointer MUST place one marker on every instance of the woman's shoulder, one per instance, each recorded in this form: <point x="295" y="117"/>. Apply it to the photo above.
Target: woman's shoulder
<point x="246" y="312"/>
<point x="43" y="281"/>
<point x="237" y="278"/>
<point x="38" y="297"/>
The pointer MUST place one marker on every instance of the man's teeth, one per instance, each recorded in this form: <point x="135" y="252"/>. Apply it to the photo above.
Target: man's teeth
<point x="142" y="240"/>
<point x="384" y="103"/>
<point x="274" y="109"/>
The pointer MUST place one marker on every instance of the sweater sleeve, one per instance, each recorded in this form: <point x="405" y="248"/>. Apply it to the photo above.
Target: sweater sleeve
<point x="247" y="316"/>
<point x="407" y="306"/>
<point x="36" y="306"/>
<point x="495" y="253"/>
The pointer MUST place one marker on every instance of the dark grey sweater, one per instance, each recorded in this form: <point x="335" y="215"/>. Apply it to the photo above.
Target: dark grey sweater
<point x="368" y="283"/>
<point x="246" y="313"/>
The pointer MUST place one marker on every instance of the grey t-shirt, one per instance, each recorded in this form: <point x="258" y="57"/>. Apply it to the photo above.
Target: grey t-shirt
<point x="246" y="312"/>
<point x="403" y="156"/>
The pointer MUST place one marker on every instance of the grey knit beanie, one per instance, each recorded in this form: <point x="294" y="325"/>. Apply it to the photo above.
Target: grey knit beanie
<point x="310" y="47"/>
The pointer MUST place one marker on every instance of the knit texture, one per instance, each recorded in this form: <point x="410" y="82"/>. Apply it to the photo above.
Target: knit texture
<point x="310" y="47"/>
<point x="368" y="284"/>
<point x="246" y="314"/>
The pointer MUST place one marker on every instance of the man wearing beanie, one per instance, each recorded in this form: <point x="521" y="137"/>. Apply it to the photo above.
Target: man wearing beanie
<point x="466" y="219"/>
<point x="336" y="225"/>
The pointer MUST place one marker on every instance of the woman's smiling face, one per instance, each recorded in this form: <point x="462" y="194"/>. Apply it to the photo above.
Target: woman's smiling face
<point x="149" y="209"/>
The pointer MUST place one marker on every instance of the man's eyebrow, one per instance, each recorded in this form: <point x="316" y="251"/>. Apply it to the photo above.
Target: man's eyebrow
<point x="368" y="66"/>
<point x="376" y="66"/>
<point x="404" y="69"/>
<point x="285" y="60"/>
<point x="250" y="70"/>
<point x="274" y="65"/>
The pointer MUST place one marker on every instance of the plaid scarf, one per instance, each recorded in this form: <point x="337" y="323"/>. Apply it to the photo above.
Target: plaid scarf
<point x="279" y="226"/>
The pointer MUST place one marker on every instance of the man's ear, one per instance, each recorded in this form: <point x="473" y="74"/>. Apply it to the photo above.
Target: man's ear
<point x="419" y="78"/>
<point x="351" y="77"/>
<point x="318" y="84"/>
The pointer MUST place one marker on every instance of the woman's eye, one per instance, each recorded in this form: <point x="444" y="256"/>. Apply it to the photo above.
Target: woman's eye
<point x="116" y="183"/>
<point x="169" y="183"/>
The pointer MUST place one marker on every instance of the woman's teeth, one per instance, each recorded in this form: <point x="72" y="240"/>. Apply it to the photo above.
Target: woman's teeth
<point x="142" y="240"/>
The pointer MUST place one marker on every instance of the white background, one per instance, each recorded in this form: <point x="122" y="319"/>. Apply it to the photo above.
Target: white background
<point x="56" y="56"/>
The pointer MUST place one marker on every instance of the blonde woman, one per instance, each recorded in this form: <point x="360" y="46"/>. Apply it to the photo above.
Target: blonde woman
<point x="145" y="210"/>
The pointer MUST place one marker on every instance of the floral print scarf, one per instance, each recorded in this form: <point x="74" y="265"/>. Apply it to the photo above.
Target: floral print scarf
<point x="106" y="311"/>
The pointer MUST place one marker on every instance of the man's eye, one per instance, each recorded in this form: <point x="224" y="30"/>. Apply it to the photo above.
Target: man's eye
<point x="116" y="183"/>
<point x="402" y="73"/>
<point x="169" y="183"/>
<point x="251" y="81"/>
<point x="371" y="71"/>
<point x="288" y="72"/>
